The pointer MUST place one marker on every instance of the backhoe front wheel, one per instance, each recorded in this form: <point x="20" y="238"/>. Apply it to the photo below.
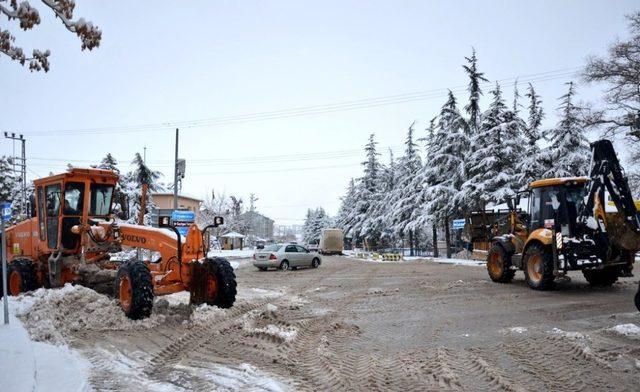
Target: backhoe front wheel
<point x="134" y="289"/>
<point x="538" y="267"/>
<point x="499" y="265"/>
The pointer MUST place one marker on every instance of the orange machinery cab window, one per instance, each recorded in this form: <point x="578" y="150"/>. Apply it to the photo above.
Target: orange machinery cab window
<point x="72" y="211"/>
<point x="52" y="203"/>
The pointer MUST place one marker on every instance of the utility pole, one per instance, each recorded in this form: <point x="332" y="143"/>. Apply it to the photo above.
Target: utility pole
<point x="144" y="159"/>
<point x="175" y="175"/>
<point x="23" y="168"/>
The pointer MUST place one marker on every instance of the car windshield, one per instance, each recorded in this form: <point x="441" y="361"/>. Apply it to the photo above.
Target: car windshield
<point x="272" y="248"/>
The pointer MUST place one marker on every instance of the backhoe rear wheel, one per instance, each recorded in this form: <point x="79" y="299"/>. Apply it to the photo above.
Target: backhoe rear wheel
<point x="134" y="289"/>
<point x="499" y="265"/>
<point x="21" y="277"/>
<point x="601" y="278"/>
<point x="538" y="267"/>
<point x="220" y="283"/>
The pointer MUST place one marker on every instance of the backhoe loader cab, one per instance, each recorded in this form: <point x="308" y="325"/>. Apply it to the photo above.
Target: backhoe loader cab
<point x="73" y="232"/>
<point x="568" y="227"/>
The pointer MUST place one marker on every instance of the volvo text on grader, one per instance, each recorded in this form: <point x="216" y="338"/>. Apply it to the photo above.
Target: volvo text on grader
<point x="72" y="228"/>
<point x="569" y="226"/>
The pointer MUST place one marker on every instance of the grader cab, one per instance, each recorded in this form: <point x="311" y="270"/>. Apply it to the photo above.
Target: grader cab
<point x="72" y="233"/>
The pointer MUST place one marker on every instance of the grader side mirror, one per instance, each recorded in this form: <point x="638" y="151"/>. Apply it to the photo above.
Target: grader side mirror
<point x="218" y="221"/>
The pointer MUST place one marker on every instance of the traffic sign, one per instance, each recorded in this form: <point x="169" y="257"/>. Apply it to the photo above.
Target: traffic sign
<point x="458" y="224"/>
<point x="182" y="219"/>
<point x="6" y="211"/>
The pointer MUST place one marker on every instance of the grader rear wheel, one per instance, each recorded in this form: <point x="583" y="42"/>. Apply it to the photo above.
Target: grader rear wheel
<point x="21" y="277"/>
<point x="134" y="289"/>
<point x="499" y="265"/>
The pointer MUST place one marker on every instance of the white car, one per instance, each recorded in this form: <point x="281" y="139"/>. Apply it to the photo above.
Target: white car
<point x="284" y="257"/>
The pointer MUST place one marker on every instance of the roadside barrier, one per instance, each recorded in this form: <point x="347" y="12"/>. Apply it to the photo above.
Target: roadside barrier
<point x="392" y="257"/>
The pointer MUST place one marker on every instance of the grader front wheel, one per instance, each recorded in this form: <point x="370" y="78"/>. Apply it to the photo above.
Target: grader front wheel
<point x="214" y="283"/>
<point x="134" y="289"/>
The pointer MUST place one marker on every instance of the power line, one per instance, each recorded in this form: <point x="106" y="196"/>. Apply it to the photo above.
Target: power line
<point x="265" y="159"/>
<point x="308" y="110"/>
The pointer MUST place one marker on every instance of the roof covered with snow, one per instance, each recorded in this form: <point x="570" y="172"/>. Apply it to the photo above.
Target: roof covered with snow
<point x="232" y="234"/>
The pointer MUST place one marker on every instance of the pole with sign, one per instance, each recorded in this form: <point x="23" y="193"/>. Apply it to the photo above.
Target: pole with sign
<point x="458" y="224"/>
<point x="6" y="215"/>
<point x="181" y="220"/>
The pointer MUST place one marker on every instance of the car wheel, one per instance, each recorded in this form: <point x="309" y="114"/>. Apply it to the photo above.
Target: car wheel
<point x="315" y="262"/>
<point x="284" y="265"/>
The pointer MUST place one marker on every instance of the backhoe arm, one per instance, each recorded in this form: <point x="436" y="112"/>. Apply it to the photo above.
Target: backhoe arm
<point x="606" y="173"/>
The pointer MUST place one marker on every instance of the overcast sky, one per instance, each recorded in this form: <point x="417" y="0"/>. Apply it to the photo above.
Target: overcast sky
<point x="323" y="74"/>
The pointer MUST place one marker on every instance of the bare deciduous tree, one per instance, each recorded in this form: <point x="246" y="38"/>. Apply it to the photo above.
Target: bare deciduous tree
<point x="620" y="70"/>
<point x="28" y="17"/>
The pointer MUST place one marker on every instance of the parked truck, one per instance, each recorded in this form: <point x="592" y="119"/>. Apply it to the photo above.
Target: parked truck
<point x="331" y="242"/>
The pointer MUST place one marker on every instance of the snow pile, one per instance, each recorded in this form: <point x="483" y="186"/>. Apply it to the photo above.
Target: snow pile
<point x="51" y="315"/>
<point x="519" y="330"/>
<point x="630" y="330"/>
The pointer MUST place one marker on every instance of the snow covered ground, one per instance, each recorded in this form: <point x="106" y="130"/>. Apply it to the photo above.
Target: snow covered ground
<point x="29" y="365"/>
<point x="39" y="345"/>
<point x="232" y="254"/>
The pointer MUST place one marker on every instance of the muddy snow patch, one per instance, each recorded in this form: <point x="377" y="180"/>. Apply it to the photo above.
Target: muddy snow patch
<point x="258" y="293"/>
<point x="206" y="315"/>
<point x="266" y="321"/>
<point x="52" y="315"/>
<point x="569" y="335"/>
<point x="630" y="330"/>
<point x="241" y="378"/>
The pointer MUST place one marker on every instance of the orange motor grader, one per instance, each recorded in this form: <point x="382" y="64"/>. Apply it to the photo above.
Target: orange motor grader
<point x="72" y="230"/>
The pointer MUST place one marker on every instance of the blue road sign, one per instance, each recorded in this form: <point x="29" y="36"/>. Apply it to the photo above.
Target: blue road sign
<point x="458" y="223"/>
<point x="181" y="220"/>
<point x="6" y="211"/>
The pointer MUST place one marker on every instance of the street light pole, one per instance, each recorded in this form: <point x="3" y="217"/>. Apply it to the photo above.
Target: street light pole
<point x="175" y="176"/>
<point x="23" y="168"/>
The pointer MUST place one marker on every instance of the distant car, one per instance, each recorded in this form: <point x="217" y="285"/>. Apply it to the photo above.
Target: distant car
<point x="312" y="247"/>
<point x="284" y="257"/>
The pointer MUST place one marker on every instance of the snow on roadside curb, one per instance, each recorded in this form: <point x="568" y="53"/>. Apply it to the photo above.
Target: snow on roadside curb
<point x="38" y="366"/>
<point x="418" y="259"/>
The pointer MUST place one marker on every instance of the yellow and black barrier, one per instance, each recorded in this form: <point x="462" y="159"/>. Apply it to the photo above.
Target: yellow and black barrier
<point x="392" y="257"/>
